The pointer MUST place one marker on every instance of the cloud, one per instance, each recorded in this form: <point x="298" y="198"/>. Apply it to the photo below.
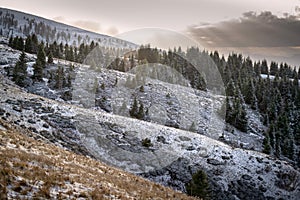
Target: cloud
<point x="59" y="19"/>
<point x="88" y="25"/>
<point x="251" y="30"/>
<point x="112" y="31"/>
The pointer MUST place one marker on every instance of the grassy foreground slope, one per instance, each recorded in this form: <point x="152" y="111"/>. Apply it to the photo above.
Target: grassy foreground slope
<point x="31" y="169"/>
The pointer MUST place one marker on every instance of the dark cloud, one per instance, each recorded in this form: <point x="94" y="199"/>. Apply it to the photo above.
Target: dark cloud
<point x="251" y="30"/>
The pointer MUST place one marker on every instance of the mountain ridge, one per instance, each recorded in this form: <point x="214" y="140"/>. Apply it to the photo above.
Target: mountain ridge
<point x="24" y="20"/>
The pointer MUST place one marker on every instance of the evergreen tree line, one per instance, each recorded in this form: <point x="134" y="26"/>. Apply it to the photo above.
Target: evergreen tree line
<point x="8" y="20"/>
<point x="175" y="59"/>
<point x="60" y="78"/>
<point x="276" y="97"/>
<point x="65" y="51"/>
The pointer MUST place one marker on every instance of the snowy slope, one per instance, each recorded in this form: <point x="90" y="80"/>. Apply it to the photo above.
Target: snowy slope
<point x="63" y="33"/>
<point x="54" y="173"/>
<point x="174" y="156"/>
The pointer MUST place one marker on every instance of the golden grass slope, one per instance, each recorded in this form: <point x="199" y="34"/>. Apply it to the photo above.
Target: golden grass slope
<point x="32" y="169"/>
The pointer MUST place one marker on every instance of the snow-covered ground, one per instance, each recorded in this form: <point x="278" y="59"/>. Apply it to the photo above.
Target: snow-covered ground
<point x="273" y="77"/>
<point x="74" y="33"/>
<point x="117" y="140"/>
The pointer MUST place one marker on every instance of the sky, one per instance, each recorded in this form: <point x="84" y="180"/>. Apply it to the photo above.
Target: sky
<point x="255" y="27"/>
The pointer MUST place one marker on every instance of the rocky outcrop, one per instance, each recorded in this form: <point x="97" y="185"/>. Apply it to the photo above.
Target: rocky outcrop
<point x="171" y="159"/>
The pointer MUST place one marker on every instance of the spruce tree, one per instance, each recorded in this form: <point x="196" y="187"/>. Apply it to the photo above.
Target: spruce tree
<point x="50" y="58"/>
<point x="28" y="45"/>
<point x="20" y="70"/>
<point x="199" y="185"/>
<point x="266" y="144"/>
<point x="141" y="114"/>
<point x="60" y="78"/>
<point x="134" y="109"/>
<point x="39" y="64"/>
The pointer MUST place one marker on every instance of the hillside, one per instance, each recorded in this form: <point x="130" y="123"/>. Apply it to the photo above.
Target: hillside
<point x="22" y="24"/>
<point x="173" y="158"/>
<point x="34" y="169"/>
<point x="163" y="115"/>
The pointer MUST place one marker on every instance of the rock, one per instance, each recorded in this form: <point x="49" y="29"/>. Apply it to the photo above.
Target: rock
<point x="262" y="188"/>
<point x="17" y="108"/>
<point x="31" y="121"/>
<point x="246" y="177"/>
<point x="214" y="162"/>
<point x="260" y="160"/>
<point x="2" y="112"/>
<point x="245" y="190"/>
<point x="286" y="180"/>
<point x="183" y="138"/>
<point x="218" y="171"/>
<point x="33" y="129"/>
<point x="190" y="148"/>
<point x="225" y="157"/>
<point x="161" y="139"/>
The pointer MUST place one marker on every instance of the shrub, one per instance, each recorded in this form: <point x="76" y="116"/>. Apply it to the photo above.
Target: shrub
<point x="147" y="142"/>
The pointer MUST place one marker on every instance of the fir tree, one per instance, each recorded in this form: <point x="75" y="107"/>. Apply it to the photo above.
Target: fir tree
<point x="20" y="70"/>
<point x="266" y="144"/>
<point x="28" y="45"/>
<point x="39" y="64"/>
<point x="59" y="78"/>
<point x="141" y="114"/>
<point x="134" y="109"/>
<point x="199" y="186"/>
<point x="50" y="58"/>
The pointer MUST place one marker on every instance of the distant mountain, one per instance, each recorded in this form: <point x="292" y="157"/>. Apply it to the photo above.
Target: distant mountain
<point x="17" y="23"/>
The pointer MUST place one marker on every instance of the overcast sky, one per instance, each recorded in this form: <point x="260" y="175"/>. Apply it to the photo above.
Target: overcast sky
<point x="132" y="14"/>
<point x="216" y="24"/>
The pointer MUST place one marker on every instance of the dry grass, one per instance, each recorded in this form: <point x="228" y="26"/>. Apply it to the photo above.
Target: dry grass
<point x="33" y="169"/>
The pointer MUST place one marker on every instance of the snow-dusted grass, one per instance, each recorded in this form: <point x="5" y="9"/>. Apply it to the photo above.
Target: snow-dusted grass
<point x="32" y="169"/>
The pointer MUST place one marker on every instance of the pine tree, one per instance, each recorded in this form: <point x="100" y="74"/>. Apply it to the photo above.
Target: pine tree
<point x="19" y="44"/>
<point x="50" y="58"/>
<point x="41" y="56"/>
<point x="28" y="45"/>
<point x="35" y="43"/>
<point x="140" y="114"/>
<point x="39" y="64"/>
<point x="20" y="70"/>
<point x="264" y="67"/>
<point x="10" y="41"/>
<point x="266" y="144"/>
<point x="199" y="186"/>
<point x="60" y="78"/>
<point x="230" y="88"/>
<point x="273" y="68"/>
<point x="134" y="109"/>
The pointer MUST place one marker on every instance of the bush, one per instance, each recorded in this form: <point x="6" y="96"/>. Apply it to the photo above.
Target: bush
<point x="147" y="142"/>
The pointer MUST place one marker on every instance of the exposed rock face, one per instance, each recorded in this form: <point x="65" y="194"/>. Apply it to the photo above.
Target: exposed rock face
<point x="174" y="156"/>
